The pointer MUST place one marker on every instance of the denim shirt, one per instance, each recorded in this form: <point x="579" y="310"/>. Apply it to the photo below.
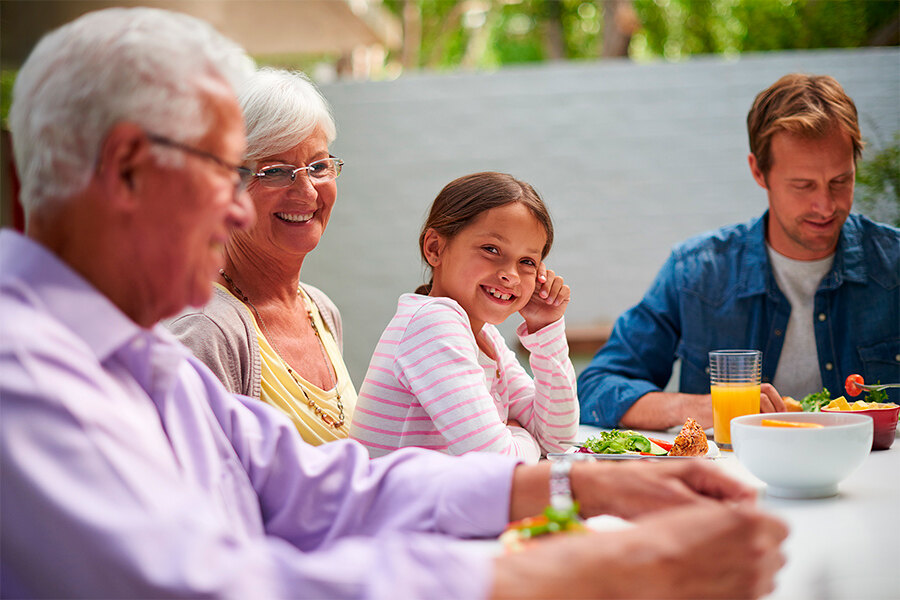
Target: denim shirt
<point x="718" y="291"/>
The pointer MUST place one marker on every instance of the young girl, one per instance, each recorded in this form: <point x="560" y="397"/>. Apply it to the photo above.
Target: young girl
<point x="442" y="376"/>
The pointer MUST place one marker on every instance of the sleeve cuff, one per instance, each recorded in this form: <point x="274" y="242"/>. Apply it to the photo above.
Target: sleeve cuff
<point x="475" y="502"/>
<point x="547" y="339"/>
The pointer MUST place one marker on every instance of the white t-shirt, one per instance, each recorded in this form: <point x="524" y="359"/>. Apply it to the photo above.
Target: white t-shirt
<point x="797" y="373"/>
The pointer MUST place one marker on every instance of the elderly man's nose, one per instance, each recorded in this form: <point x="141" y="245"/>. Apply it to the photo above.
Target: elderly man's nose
<point x="243" y="213"/>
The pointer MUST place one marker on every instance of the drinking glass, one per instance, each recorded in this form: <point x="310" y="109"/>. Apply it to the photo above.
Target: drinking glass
<point x="734" y="382"/>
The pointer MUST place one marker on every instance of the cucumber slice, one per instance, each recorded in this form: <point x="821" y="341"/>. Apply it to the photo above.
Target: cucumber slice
<point x="656" y="449"/>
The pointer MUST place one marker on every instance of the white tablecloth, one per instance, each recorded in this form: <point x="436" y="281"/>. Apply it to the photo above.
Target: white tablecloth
<point x="843" y="547"/>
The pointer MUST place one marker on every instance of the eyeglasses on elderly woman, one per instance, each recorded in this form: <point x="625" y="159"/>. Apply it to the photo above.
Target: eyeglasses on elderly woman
<point x="277" y="176"/>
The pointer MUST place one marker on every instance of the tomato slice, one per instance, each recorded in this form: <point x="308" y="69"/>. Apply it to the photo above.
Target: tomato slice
<point x="852" y="384"/>
<point x="662" y="444"/>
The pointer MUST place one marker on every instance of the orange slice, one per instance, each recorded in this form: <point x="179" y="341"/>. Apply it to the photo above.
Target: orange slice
<point x="777" y="423"/>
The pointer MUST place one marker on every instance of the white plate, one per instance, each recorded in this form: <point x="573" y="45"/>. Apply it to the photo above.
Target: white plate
<point x="712" y="452"/>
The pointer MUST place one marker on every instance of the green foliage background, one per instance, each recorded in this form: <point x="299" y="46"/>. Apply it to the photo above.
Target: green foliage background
<point x="517" y="31"/>
<point x="675" y="28"/>
<point x="878" y="183"/>
<point x="671" y="29"/>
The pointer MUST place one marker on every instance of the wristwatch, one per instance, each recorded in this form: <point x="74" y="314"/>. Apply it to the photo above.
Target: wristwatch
<point x="560" y="486"/>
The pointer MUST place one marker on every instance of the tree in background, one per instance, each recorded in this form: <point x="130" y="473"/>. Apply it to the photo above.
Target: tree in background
<point x="676" y="28"/>
<point x="485" y="34"/>
<point x="446" y="34"/>
<point x="878" y="183"/>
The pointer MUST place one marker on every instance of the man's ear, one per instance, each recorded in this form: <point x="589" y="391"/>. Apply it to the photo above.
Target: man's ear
<point x="758" y="175"/>
<point x="432" y="247"/>
<point x="124" y="155"/>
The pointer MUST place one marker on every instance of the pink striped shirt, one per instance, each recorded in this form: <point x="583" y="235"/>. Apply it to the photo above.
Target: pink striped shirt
<point x="429" y="385"/>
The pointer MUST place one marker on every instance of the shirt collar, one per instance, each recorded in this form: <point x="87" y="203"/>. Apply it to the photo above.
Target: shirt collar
<point x="64" y="294"/>
<point x="849" y="260"/>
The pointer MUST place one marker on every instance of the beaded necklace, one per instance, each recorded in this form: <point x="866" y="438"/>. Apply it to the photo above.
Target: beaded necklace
<point x="328" y="419"/>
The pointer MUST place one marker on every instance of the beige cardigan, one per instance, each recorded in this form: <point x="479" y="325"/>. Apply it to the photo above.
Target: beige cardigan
<point x="222" y="335"/>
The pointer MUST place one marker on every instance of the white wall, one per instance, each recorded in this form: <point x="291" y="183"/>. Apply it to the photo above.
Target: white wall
<point x="629" y="158"/>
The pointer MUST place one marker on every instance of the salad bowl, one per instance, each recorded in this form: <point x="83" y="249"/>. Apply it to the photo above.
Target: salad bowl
<point x="802" y="462"/>
<point x="885" y="421"/>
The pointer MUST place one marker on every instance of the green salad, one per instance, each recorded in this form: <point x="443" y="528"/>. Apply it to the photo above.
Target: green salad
<point x="621" y="442"/>
<point x="813" y="402"/>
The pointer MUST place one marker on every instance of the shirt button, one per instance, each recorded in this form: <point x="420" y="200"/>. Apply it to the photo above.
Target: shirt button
<point x="777" y="332"/>
<point x="822" y="316"/>
<point x="897" y="358"/>
<point x="828" y="366"/>
<point x="707" y="369"/>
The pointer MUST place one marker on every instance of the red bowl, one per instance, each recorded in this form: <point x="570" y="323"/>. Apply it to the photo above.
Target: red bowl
<point x="885" y="424"/>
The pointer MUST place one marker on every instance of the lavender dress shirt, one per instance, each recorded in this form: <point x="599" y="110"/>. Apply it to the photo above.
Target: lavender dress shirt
<point x="127" y="469"/>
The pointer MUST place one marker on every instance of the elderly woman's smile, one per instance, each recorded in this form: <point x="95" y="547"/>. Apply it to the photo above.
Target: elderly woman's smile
<point x="294" y="217"/>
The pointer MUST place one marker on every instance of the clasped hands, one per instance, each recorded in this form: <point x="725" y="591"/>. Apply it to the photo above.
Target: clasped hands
<point x="696" y="533"/>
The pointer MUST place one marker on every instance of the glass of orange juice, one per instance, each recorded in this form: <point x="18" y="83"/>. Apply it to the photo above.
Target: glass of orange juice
<point x="734" y="382"/>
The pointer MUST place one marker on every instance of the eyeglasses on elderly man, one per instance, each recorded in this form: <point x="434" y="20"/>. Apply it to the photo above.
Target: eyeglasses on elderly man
<point x="243" y="173"/>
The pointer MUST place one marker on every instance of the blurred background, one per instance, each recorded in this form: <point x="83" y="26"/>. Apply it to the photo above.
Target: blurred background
<point x="628" y="116"/>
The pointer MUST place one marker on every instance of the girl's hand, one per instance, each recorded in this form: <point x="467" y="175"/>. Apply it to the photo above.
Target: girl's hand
<point x="548" y="302"/>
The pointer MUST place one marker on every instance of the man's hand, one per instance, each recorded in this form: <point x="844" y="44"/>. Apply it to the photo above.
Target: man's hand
<point x="627" y="490"/>
<point x="714" y="551"/>
<point x="640" y="487"/>
<point x="770" y="400"/>
<point x="548" y="302"/>
<point x="662" y="410"/>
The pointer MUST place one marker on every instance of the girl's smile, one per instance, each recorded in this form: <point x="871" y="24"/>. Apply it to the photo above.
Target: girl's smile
<point x="499" y="295"/>
<point x="490" y="266"/>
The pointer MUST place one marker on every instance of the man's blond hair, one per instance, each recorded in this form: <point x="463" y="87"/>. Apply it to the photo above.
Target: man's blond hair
<point x="810" y="106"/>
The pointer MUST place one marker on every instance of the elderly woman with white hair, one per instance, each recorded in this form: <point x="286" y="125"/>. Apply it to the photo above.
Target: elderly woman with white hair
<point x="265" y="333"/>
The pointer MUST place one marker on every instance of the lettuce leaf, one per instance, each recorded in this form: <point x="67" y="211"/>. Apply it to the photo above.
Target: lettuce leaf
<point x="813" y="402"/>
<point x="617" y="442"/>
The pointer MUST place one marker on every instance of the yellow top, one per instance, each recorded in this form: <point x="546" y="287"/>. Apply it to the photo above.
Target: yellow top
<point x="281" y="390"/>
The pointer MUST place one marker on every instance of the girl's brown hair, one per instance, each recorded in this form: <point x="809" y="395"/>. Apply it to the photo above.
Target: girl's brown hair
<point x="466" y="198"/>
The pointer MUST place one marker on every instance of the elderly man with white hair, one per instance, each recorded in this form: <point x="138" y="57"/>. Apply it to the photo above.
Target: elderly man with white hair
<point x="127" y="469"/>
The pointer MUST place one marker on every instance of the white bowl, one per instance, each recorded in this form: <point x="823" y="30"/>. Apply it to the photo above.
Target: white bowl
<point x="800" y="462"/>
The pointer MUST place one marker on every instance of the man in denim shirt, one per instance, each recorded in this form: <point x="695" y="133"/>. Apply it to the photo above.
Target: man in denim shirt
<point x="813" y="287"/>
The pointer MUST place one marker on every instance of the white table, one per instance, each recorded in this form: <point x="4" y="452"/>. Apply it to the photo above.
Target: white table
<point x="843" y="547"/>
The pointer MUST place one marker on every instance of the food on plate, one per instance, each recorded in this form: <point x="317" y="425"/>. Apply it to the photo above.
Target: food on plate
<point x="814" y="402"/>
<point x="621" y="442"/>
<point x="519" y="533"/>
<point x="777" y="423"/>
<point x="852" y="384"/>
<point x="661" y="443"/>
<point x="792" y="405"/>
<point x="691" y="441"/>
